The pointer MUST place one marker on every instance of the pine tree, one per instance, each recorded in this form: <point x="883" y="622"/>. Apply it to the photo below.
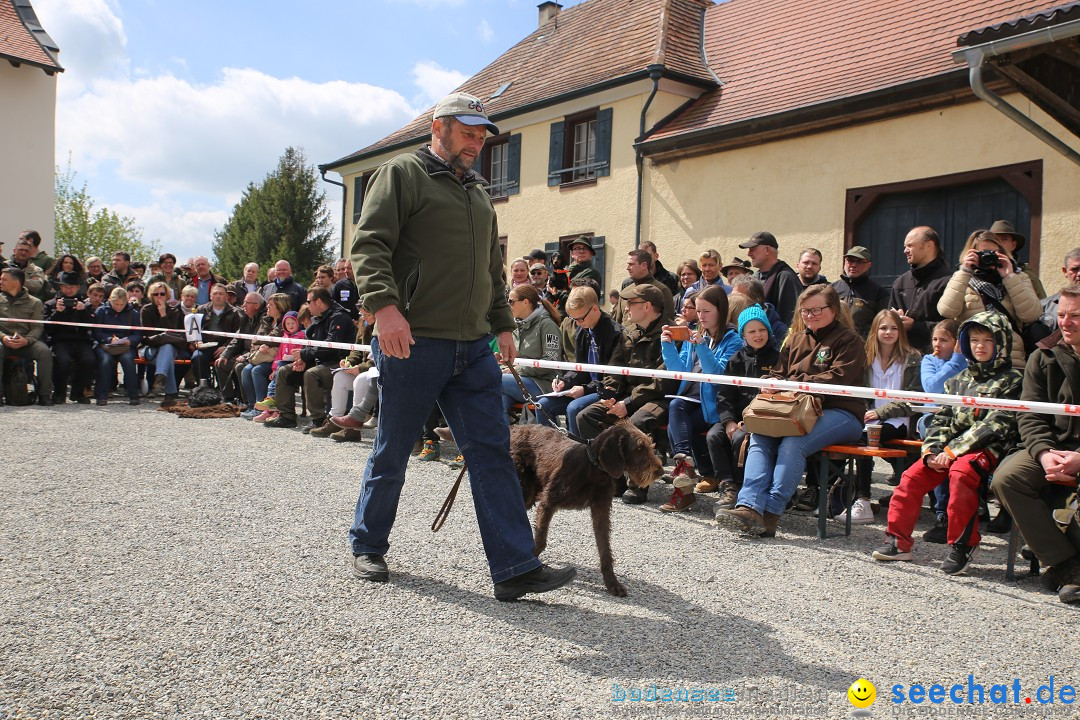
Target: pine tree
<point x="284" y="217"/>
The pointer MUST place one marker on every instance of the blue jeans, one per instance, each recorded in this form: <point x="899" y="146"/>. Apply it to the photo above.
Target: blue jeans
<point x="570" y="407"/>
<point x="463" y="377"/>
<point x="511" y="393"/>
<point x="254" y="381"/>
<point x="164" y="359"/>
<point x="201" y="361"/>
<point x="106" y="373"/>
<point x="774" y="466"/>
<point x="686" y="433"/>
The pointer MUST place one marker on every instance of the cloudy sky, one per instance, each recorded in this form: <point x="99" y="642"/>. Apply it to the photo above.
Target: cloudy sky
<point x="169" y="108"/>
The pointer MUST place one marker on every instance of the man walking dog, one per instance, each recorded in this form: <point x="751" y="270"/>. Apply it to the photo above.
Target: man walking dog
<point x="428" y="266"/>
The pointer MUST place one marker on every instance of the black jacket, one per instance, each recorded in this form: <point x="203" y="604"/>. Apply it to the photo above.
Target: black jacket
<point x="917" y="292"/>
<point x="664" y="275"/>
<point x="293" y="289"/>
<point x="248" y="326"/>
<point x="864" y="297"/>
<point x="782" y="289"/>
<point x="731" y="400"/>
<point x="640" y="348"/>
<point x="334" y="326"/>
<point x="346" y="295"/>
<point x="172" y="320"/>
<point x="65" y="333"/>
<point x="608" y="336"/>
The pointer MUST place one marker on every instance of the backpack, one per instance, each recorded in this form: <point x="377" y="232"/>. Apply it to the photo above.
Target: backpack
<point x="17" y="386"/>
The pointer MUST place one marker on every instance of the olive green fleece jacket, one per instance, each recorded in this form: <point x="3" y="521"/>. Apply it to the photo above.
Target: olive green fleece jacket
<point x="429" y="243"/>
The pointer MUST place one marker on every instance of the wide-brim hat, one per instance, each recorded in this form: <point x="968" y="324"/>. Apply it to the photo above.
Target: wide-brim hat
<point x="69" y="278"/>
<point x="583" y="240"/>
<point x="466" y="108"/>
<point x="1004" y="227"/>
<point x="736" y="262"/>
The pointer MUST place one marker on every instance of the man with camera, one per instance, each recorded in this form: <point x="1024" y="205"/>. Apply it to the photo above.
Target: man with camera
<point x="23" y="340"/>
<point x="72" y="347"/>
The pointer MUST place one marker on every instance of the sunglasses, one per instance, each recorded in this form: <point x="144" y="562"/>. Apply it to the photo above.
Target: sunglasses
<point x="158" y="294"/>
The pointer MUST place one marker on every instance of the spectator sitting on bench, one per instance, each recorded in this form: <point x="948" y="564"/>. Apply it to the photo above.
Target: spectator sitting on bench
<point x="162" y="349"/>
<point x="72" y="347"/>
<point x="188" y="299"/>
<point x="537" y="337"/>
<point x="1049" y="458"/>
<point x="23" y="340"/>
<point x="963" y="445"/>
<point x="218" y="315"/>
<point x="115" y="346"/>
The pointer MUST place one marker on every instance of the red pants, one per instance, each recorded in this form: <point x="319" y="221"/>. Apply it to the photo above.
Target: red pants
<point x="965" y="476"/>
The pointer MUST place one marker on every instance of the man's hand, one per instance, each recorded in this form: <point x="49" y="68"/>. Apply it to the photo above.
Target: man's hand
<point x="395" y="335"/>
<point x="507" y="349"/>
<point x="730" y="428"/>
<point x="870" y="416"/>
<point x="940" y="462"/>
<point x="299" y="366"/>
<point x="1061" y="466"/>
<point x="220" y="362"/>
<point x="576" y="392"/>
<point x="618" y="409"/>
<point x="908" y="321"/>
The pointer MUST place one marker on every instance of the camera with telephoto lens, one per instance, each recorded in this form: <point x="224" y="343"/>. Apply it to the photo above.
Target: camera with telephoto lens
<point x="988" y="259"/>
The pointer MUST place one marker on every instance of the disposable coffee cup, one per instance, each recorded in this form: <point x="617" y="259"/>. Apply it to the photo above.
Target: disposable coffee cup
<point x="873" y="435"/>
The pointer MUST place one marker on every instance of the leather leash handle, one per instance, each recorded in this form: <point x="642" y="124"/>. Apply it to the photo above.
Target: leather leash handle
<point x="444" y="511"/>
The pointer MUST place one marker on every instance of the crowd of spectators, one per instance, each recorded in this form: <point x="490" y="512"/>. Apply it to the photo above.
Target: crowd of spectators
<point x="981" y="326"/>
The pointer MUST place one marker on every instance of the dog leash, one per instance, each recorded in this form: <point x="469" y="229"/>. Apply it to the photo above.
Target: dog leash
<point x="448" y="503"/>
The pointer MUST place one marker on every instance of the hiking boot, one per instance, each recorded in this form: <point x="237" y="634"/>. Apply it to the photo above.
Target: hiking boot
<point x="169" y="401"/>
<point x="707" y="485"/>
<point x="1069" y="594"/>
<point x="729" y="495"/>
<point x="1001" y="524"/>
<point x="861" y="513"/>
<point x="346" y="422"/>
<point x="266" y="404"/>
<point x="347" y="435"/>
<point x="958" y="559"/>
<point x="457" y="462"/>
<point x="370" y="567"/>
<point x="772" y="520"/>
<point x="133" y="401"/>
<point x="102" y="401"/>
<point x="679" y="501"/>
<point x="280" y="422"/>
<point x="635" y="496"/>
<point x="430" y="451"/>
<point x="537" y="580"/>
<point x="159" y="385"/>
<point x="742" y="517"/>
<point x="891" y="553"/>
<point x="808" y="499"/>
<point x="939" y="534"/>
<point x="326" y="429"/>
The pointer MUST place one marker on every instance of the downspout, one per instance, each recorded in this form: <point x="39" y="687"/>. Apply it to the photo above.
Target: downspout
<point x="344" y="201"/>
<point x="655" y="71"/>
<point x="976" y="58"/>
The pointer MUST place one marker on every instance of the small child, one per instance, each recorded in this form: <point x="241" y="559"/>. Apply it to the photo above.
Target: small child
<point x="963" y="445"/>
<point x="286" y="352"/>
<point x="725" y="438"/>
<point x="943" y="363"/>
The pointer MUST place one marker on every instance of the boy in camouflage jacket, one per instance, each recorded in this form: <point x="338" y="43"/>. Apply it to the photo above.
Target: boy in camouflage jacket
<point x="963" y="445"/>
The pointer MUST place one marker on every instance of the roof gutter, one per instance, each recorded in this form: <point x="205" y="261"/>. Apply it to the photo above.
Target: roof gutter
<point x="976" y="58"/>
<point x="344" y="199"/>
<point x="655" y="73"/>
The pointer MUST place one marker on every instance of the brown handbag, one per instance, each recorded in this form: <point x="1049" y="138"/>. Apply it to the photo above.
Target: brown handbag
<point x="782" y="414"/>
<point x="262" y="355"/>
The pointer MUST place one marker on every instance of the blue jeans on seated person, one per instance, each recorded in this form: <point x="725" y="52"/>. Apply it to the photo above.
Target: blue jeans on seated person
<point x="254" y="382"/>
<point x="774" y="466"/>
<point x="164" y="358"/>
<point x="570" y="407"/>
<point x="686" y="433"/>
<point x="201" y="362"/>
<point x="512" y="393"/>
<point x="463" y="378"/>
<point x="106" y="373"/>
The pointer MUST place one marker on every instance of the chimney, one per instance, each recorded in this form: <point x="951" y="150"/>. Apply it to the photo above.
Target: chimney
<point x="548" y="11"/>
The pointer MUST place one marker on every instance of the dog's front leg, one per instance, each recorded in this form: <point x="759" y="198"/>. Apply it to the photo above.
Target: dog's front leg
<point x="544" y="511"/>
<point x="601" y="523"/>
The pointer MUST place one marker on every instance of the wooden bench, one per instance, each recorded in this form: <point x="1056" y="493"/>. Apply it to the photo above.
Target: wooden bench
<point x="846" y="472"/>
<point x="140" y="360"/>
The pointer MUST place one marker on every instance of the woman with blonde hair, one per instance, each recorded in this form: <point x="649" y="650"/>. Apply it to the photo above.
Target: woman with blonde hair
<point x="164" y="348"/>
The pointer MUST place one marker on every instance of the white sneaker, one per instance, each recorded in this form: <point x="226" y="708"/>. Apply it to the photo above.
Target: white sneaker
<point x="861" y="513"/>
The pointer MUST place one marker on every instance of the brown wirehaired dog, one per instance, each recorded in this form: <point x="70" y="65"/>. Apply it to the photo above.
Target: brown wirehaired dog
<point x="558" y="473"/>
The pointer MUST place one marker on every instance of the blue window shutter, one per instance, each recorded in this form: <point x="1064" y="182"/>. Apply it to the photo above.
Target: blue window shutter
<point x="598" y="261"/>
<point x="603" y="142"/>
<point x="358" y="197"/>
<point x="555" y="153"/>
<point x="513" y="165"/>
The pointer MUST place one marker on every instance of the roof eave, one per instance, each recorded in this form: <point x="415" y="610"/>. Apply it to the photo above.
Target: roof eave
<point x="530" y="107"/>
<point x="16" y="61"/>
<point x="935" y="91"/>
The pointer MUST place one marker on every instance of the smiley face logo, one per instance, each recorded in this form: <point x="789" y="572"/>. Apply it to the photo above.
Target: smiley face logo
<point x="862" y="693"/>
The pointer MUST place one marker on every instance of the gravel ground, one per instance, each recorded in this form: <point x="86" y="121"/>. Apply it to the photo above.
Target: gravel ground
<point x="154" y="567"/>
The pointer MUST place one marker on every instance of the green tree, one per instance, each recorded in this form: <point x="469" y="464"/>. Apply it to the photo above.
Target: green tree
<point x="284" y="217"/>
<point x="83" y="231"/>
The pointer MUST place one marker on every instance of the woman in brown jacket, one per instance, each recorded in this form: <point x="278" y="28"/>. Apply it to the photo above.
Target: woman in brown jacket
<point x="827" y="351"/>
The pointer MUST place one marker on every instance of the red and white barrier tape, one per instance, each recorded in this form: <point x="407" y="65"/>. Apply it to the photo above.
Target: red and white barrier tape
<point x="761" y="383"/>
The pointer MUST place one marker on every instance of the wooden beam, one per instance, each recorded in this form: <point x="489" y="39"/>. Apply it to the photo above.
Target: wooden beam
<point x="1056" y="106"/>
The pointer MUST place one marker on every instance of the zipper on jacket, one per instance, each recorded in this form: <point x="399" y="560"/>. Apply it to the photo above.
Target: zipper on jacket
<point x="410" y="293"/>
<point x="472" y="255"/>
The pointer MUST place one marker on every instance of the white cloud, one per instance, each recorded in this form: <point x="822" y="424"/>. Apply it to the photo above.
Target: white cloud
<point x="485" y="30"/>
<point x="178" y="230"/>
<point x="91" y="39"/>
<point x="435" y="81"/>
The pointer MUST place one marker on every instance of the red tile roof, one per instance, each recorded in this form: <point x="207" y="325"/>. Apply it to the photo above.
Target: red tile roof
<point x="775" y="56"/>
<point x="18" y="43"/>
<point x="595" y="43"/>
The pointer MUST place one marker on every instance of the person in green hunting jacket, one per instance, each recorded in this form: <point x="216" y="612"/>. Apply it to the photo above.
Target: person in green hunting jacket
<point x="962" y="446"/>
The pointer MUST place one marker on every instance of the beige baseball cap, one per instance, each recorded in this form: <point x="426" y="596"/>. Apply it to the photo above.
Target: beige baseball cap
<point x="466" y="108"/>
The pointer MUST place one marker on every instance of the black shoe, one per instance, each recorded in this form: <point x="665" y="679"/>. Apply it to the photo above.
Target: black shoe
<point x="939" y="533"/>
<point x="280" y="422"/>
<point x="958" y="559"/>
<point x="808" y="499"/>
<point x="46" y="401"/>
<point x="315" y="423"/>
<point x="537" y="580"/>
<point x="884" y="500"/>
<point x="133" y="401"/>
<point x="370" y="567"/>
<point x="1001" y="524"/>
<point x="82" y="400"/>
<point x="635" y="496"/>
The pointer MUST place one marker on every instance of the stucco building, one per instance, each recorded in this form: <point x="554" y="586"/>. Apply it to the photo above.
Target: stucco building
<point x="830" y="124"/>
